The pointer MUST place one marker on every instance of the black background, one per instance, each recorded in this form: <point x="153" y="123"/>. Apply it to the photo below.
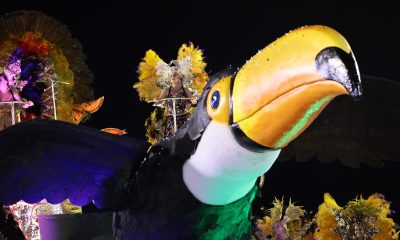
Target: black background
<point x="115" y="36"/>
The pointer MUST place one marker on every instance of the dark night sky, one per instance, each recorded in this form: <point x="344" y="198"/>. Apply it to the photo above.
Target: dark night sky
<point x="115" y="37"/>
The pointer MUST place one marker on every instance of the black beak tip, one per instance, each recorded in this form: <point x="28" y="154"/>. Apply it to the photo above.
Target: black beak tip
<point x="335" y="64"/>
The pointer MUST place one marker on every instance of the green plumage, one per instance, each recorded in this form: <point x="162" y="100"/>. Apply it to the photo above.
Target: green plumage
<point x="231" y="221"/>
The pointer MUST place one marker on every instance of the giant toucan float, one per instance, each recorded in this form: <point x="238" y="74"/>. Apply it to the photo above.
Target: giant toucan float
<point x="201" y="182"/>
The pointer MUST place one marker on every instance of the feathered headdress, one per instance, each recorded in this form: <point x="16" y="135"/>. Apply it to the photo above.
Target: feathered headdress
<point x="48" y="53"/>
<point x="370" y="215"/>
<point x="155" y="74"/>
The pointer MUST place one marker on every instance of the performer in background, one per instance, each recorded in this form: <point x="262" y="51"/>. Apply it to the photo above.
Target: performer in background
<point x="173" y="87"/>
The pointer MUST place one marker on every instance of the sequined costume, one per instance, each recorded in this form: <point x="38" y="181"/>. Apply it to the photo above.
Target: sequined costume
<point x="181" y="109"/>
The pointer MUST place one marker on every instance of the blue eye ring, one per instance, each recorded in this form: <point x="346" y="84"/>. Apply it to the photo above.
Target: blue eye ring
<point x="215" y="99"/>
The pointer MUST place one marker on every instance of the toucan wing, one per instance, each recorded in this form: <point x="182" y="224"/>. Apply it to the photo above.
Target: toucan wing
<point x="365" y="131"/>
<point x="56" y="160"/>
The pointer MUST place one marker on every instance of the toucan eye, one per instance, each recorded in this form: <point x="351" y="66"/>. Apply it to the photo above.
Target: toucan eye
<point x="218" y="100"/>
<point x="215" y="100"/>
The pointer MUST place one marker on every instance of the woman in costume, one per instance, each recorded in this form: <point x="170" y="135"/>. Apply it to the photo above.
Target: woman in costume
<point x="360" y="219"/>
<point x="174" y="87"/>
<point x="181" y="108"/>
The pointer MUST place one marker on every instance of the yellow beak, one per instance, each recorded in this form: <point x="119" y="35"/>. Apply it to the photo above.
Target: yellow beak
<point x="279" y="92"/>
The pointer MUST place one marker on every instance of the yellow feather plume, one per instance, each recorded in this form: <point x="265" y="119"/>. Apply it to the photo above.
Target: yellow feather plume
<point x="147" y="87"/>
<point x="293" y="211"/>
<point x="155" y="125"/>
<point x="277" y="210"/>
<point x="147" y="66"/>
<point x="198" y="66"/>
<point x="326" y="220"/>
<point x="385" y="224"/>
<point x="196" y="56"/>
<point x="330" y="202"/>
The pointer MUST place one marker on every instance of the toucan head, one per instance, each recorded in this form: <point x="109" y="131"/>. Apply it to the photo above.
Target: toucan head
<point x="245" y="117"/>
<point x="277" y="94"/>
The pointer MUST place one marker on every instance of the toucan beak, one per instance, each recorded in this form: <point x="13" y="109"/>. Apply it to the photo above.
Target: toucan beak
<point x="279" y="92"/>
